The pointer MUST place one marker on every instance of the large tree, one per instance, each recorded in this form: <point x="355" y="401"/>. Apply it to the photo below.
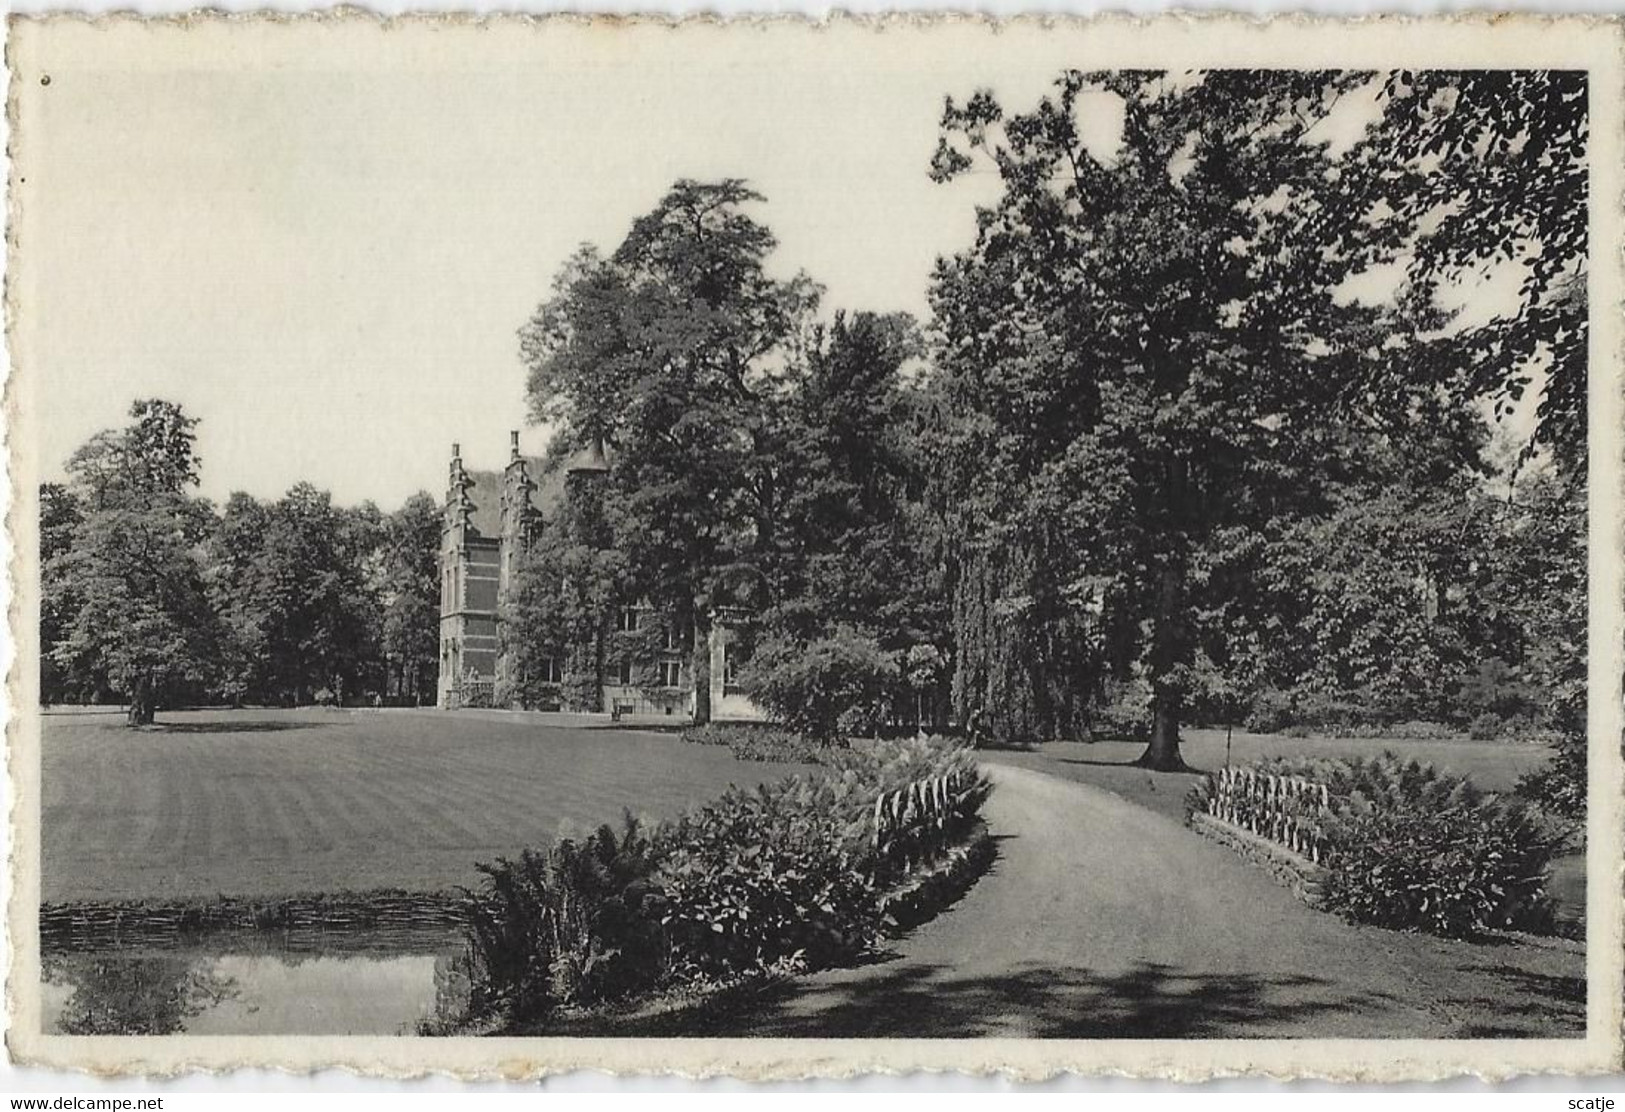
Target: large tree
<point x="128" y="590"/>
<point x="1183" y="328"/>
<point x="558" y="607"/>
<point x="295" y="584"/>
<point x="672" y="351"/>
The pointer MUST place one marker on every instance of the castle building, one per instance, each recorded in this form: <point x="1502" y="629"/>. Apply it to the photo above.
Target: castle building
<point x="643" y="666"/>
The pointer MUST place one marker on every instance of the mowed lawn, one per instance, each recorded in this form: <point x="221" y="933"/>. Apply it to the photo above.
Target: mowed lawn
<point x="260" y="803"/>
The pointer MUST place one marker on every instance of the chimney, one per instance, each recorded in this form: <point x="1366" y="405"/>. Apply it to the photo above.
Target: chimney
<point x="456" y="460"/>
<point x="513" y="444"/>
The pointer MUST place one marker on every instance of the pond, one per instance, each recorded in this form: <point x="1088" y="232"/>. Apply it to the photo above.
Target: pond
<point x="255" y="983"/>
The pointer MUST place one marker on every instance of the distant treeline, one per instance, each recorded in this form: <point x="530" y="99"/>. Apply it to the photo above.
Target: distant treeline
<point x="153" y="596"/>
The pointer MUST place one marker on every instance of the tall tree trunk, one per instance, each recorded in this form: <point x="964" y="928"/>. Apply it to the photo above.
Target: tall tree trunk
<point x="701" y="665"/>
<point x="1167" y="647"/>
<point x="142" y="708"/>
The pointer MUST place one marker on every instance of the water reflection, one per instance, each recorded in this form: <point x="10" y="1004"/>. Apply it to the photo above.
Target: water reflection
<point x="111" y="995"/>
<point x="252" y="985"/>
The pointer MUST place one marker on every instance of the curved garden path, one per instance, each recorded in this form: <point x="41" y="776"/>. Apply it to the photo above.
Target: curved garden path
<point x="1103" y="919"/>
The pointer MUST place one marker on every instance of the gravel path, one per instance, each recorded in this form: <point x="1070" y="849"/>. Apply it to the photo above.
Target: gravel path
<point x="1102" y="919"/>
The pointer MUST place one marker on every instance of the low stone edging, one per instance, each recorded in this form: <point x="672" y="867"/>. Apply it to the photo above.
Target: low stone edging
<point x="1306" y="879"/>
<point x="922" y="897"/>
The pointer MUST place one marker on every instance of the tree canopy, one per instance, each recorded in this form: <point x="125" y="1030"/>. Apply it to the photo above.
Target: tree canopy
<point x="152" y="595"/>
<point x="126" y="591"/>
<point x="672" y="351"/>
<point x="1186" y="333"/>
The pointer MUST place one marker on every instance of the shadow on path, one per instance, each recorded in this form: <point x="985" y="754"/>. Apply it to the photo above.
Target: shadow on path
<point x="1150" y="1000"/>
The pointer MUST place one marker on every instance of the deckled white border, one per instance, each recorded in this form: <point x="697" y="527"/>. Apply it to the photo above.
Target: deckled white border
<point x="1163" y="41"/>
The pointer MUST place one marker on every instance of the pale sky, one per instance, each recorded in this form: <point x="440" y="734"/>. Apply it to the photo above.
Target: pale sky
<point x="329" y="268"/>
<point x="324" y="246"/>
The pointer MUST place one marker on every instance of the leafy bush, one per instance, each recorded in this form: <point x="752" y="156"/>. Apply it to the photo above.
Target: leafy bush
<point x="1124" y="714"/>
<point x="784" y="877"/>
<point x="1560" y="787"/>
<point x="758" y="742"/>
<point x="574" y="924"/>
<point x="1496" y="688"/>
<point x="1410" y="847"/>
<point x="1421" y="729"/>
<point x="1271" y="712"/>
<point x="1302" y="712"/>
<point x="876" y="768"/>
<point x="1458" y="870"/>
<point x="789" y="871"/>
<point x="809" y="685"/>
<point x="758" y="877"/>
<point x="1486" y="727"/>
<point x="1338" y="712"/>
<point x="326" y="698"/>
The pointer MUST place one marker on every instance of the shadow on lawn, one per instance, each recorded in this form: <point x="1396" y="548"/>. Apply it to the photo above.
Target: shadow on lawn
<point x="235" y="726"/>
<point x="1189" y="770"/>
<point x="932" y="1001"/>
<point x="1542" y="999"/>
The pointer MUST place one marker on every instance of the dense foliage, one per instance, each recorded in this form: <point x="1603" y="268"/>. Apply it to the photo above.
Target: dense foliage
<point x="827" y="687"/>
<point x="577" y="922"/>
<point x="788" y="876"/>
<point x="1412" y="848"/>
<point x="153" y="597"/>
<point x="1209" y="389"/>
<point x="758" y="458"/>
<point x="760" y="741"/>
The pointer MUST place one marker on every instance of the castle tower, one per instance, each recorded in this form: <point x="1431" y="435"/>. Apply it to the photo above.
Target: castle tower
<point x="469" y="563"/>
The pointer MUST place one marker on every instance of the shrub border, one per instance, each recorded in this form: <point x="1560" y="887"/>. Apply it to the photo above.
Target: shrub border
<point x="909" y="905"/>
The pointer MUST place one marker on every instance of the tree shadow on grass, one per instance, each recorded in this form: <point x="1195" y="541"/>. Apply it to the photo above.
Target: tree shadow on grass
<point x="1150" y="1000"/>
<point x="1552" y="1004"/>
<point x="1188" y="770"/>
<point x="231" y="726"/>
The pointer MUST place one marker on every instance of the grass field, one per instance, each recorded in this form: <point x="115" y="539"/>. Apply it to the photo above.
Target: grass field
<point x="264" y="802"/>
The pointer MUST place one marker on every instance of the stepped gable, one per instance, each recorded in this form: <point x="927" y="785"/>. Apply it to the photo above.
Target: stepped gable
<point x="485" y="492"/>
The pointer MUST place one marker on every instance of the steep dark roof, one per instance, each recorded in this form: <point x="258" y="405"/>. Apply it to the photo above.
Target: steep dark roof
<point x="486" y="494"/>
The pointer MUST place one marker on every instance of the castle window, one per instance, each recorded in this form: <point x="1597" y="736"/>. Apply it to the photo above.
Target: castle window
<point x="549" y="669"/>
<point x="671" y="673"/>
<point x="674" y="637"/>
<point x="627" y="620"/>
<point x="624" y="674"/>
